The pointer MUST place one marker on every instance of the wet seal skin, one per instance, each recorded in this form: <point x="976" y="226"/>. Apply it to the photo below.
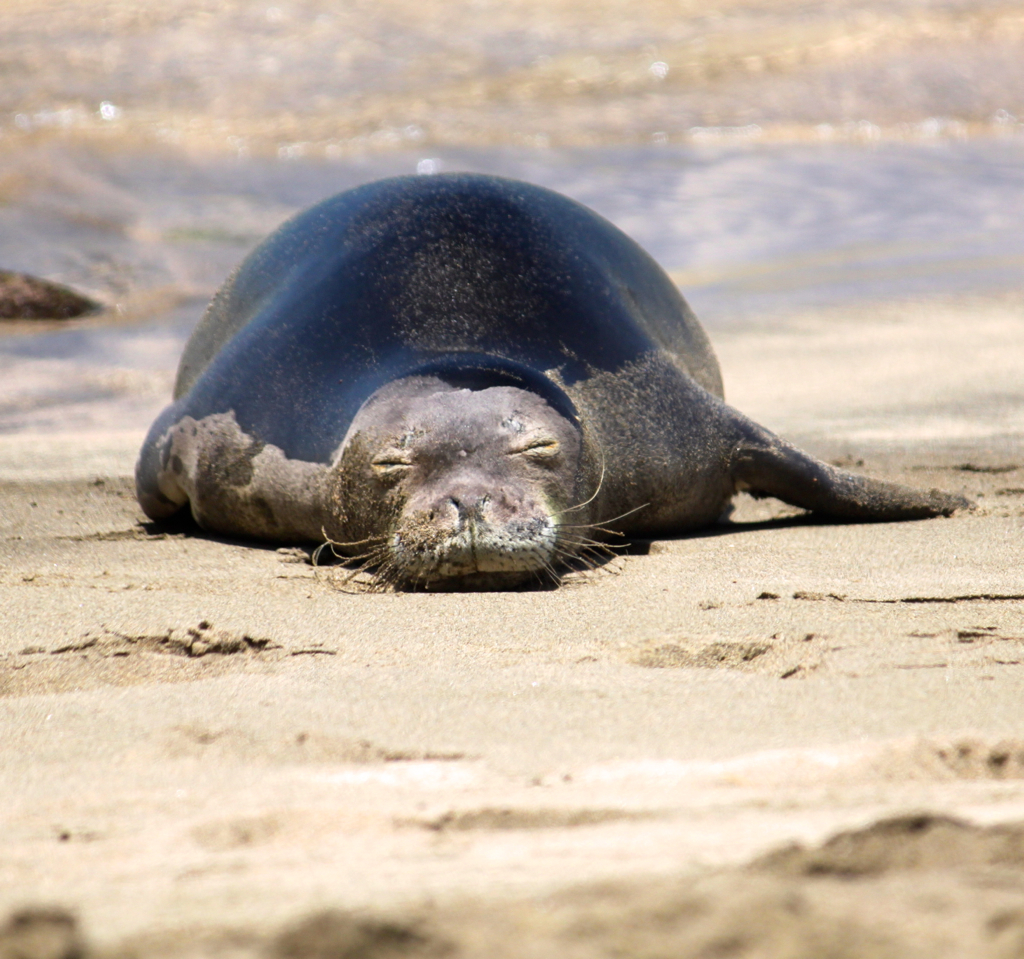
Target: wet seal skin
<point x="464" y="381"/>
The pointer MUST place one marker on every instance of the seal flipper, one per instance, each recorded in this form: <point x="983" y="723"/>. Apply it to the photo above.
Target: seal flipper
<point x="233" y="482"/>
<point x="768" y="466"/>
<point x="157" y="502"/>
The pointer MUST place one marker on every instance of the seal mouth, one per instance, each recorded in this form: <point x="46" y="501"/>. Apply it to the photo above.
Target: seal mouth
<point x="475" y="558"/>
<point x="476" y="555"/>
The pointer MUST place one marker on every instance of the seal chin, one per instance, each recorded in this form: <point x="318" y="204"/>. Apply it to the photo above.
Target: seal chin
<point x="475" y="555"/>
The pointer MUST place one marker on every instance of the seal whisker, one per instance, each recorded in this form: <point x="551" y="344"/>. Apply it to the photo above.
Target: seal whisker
<point x="362" y="558"/>
<point x="608" y="549"/>
<point x="598" y="564"/>
<point x="589" y="555"/>
<point x="361" y="564"/>
<point x="350" y="579"/>
<point x="600" y="482"/>
<point x="598" y="550"/>
<point x="356" y="542"/>
<point x="335" y="544"/>
<point x="315" y="558"/>
<point x="610" y="532"/>
<point x="546" y="574"/>
<point x="372" y="564"/>
<point x="597" y="525"/>
<point x="580" y="539"/>
<point x="585" y="557"/>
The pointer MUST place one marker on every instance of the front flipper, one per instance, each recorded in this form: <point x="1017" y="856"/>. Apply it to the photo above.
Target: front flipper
<point x="231" y="482"/>
<point x="765" y="465"/>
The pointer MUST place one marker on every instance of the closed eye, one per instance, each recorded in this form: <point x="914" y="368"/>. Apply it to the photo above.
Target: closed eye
<point x="390" y="465"/>
<point x="542" y="449"/>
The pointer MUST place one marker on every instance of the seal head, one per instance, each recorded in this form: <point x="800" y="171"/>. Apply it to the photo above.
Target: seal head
<point x="468" y="485"/>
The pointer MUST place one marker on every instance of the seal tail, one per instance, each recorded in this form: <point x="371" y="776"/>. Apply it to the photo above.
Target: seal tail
<point x="772" y="467"/>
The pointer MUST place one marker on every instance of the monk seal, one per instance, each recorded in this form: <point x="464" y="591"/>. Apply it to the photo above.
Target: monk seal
<point x="466" y="381"/>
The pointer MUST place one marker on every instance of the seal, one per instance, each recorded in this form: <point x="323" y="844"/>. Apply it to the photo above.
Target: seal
<point x="465" y="381"/>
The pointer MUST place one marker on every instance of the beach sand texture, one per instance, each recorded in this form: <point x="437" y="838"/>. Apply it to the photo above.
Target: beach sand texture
<point x="777" y="738"/>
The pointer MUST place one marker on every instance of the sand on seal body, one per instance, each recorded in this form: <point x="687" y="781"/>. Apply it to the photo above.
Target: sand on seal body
<point x="466" y="381"/>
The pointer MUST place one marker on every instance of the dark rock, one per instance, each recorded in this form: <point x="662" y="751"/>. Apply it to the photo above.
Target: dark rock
<point x="24" y="297"/>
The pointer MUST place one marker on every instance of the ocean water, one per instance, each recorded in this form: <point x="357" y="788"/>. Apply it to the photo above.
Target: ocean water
<point x="775" y="157"/>
<point x="753" y="234"/>
<point x="747" y="231"/>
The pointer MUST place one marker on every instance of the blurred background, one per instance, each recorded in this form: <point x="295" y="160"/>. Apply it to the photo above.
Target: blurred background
<point x="328" y="79"/>
<point x="776" y="156"/>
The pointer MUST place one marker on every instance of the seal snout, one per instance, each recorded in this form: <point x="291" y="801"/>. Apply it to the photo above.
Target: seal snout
<point x="468" y="532"/>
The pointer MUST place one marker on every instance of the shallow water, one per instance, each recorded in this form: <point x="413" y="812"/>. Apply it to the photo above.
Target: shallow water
<point x="752" y="234"/>
<point x="776" y="156"/>
<point x="315" y="77"/>
<point x="748" y="231"/>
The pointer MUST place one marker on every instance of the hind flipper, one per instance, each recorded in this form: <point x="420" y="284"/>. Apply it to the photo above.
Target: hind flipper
<point x="768" y="466"/>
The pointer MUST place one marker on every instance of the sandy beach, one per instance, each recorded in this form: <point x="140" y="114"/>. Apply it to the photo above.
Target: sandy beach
<point x="777" y="738"/>
<point x="204" y="742"/>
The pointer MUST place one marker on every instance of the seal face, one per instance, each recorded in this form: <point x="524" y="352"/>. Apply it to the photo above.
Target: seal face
<point x="475" y="483"/>
<point x="456" y="380"/>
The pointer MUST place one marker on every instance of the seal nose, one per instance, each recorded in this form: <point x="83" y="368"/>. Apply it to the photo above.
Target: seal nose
<point x="470" y="506"/>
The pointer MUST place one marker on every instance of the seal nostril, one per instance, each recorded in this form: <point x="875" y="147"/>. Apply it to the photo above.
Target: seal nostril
<point x="469" y="505"/>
